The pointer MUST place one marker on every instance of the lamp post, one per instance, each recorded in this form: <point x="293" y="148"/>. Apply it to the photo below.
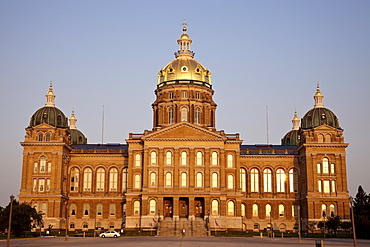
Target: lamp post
<point x="208" y="225"/>
<point x="66" y="237"/>
<point x="10" y="220"/>
<point x="270" y="224"/>
<point x="158" y="223"/>
<point x="299" y="224"/>
<point x="241" y="219"/>
<point x="324" y="216"/>
<point x="353" y="222"/>
<point x="95" y="212"/>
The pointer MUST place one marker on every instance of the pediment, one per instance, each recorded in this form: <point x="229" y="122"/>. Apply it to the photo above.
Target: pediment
<point x="43" y="126"/>
<point x="324" y="127"/>
<point x="184" y="131"/>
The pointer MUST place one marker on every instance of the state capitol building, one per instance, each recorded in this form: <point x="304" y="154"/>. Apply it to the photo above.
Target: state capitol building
<point x="184" y="173"/>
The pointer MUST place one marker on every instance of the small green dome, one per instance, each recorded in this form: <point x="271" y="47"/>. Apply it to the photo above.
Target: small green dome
<point x="319" y="116"/>
<point x="291" y="138"/>
<point x="77" y="137"/>
<point x="49" y="115"/>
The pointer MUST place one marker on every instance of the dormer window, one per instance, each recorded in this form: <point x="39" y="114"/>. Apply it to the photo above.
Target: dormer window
<point x="184" y="69"/>
<point x="171" y="96"/>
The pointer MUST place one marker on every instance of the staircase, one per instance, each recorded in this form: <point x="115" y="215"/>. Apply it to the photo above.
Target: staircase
<point x="170" y="227"/>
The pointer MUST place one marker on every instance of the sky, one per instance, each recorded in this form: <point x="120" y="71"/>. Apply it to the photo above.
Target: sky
<point x="262" y="55"/>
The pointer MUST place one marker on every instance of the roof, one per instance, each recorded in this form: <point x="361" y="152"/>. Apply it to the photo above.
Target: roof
<point x="108" y="148"/>
<point x="264" y="149"/>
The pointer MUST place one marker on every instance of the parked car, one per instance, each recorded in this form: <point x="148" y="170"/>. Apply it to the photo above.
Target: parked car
<point x="110" y="234"/>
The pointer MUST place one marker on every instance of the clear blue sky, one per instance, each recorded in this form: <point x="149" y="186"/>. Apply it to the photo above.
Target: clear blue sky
<point x="259" y="53"/>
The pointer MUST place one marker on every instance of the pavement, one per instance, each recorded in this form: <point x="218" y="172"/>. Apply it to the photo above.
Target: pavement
<point x="180" y="242"/>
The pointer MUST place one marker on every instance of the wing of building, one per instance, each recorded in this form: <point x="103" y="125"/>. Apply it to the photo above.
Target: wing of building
<point x="184" y="173"/>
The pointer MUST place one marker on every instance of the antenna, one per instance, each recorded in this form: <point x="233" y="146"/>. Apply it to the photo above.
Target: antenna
<point x="102" y="128"/>
<point x="267" y="124"/>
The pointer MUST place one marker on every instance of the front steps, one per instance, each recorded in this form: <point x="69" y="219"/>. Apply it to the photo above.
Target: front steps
<point x="195" y="227"/>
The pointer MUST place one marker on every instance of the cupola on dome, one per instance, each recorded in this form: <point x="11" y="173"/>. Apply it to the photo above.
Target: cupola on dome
<point x="184" y="69"/>
<point x="49" y="114"/>
<point x="319" y="115"/>
<point x="292" y="137"/>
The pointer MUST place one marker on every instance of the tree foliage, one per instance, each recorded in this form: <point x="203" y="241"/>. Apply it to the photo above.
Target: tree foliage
<point x="361" y="213"/>
<point x="23" y="215"/>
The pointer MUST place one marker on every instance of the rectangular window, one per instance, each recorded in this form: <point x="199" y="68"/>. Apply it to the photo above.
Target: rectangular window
<point x="34" y="184"/>
<point x="332" y="169"/>
<point x="318" y="168"/>
<point x="41" y="185"/>
<point x="49" y="167"/>
<point x="333" y="186"/>
<point x="47" y="184"/>
<point x="183" y="95"/>
<point x="320" y="186"/>
<point x="35" y="167"/>
<point x="326" y="186"/>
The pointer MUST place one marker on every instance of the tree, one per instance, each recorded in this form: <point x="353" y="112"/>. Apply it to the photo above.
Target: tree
<point x="346" y="226"/>
<point x="333" y="224"/>
<point x="23" y="216"/>
<point x="311" y="226"/>
<point x="361" y="213"/>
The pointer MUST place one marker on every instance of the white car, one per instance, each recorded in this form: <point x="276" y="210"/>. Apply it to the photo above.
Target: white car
<point x="110" y="234"/>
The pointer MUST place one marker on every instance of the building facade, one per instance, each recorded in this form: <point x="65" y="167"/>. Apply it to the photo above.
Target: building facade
<point x="184" y="173"/>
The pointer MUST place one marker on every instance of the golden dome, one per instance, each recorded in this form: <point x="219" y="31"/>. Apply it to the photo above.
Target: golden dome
<point x="184" y="69"/>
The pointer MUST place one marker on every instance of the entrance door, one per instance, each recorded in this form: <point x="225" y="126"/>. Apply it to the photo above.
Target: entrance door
<point x="198" y="208"/>
<point x="167" y="207"/>
<point x="183" y="208"/>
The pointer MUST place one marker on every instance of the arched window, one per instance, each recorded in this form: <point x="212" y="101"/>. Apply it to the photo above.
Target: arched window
<point x="184" y="114"/>
<point x="280" y="180"/>
<point x="44" y="208"/>
<point x="112" y="209"/>
<point x="85" y="225"/>
<point x="170" y="116"/>
<point x="214" y="207"/>
<point x="42" y="164"/>
<point x="137" y="160"/>
<point x="87" y="179"/>
<point x="99" y="209"/>
<point x="320" y="138"/>
<point x="137" y="181"/>
<point x="282" y="227"/>
<point x="168" y="179"/>
<point x="323" y="210"/>
<point x="136" y="208"/>
<point x="86" y="209"/>
<point x="152" y="206"/>
<point x="254" y="180"/>
<point x="294" y="210"/>
<point x="197" y="116"/>
<point x="183" y="179"/>
<point x="199" y="160"/>
<point x="153" y="179"/>
<point x="40" y="137"/>
<point x="113" y="179"/>
<point x="281" y="210"/>
<point x="214" y="158"/>
<point x="230" y="160"/>
<point x="230" y="181"/>
<point x="327" y="138"/>
<point x="153" y="158"/>
<point x="199" y="180"/>
<point x="100" y="179"/>
<point x="72" y="209"/>
<point x="168" y="158"/>
<point x="268" y="210"/>
<point x="332" y="210"/>
<point x="184" y="158"/>
<point x="293" y="180"/>
<point x="47" y="137"/>
<point x="325" y="165"/>
<point x="243" y="179"/>
<point x="124" y="180"/>
<point x="242" y="210"/>
<point x="214" y="180"/>
<point x="255" y="210"/>
<point x="267" y="180"/>
<point x="75" y="173"/>
<point x="230" y="208"/>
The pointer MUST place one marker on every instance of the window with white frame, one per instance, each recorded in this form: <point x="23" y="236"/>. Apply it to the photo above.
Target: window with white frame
<point x="325" y="165"/>
<point x="332" y="169"/>
<point x="113" y="179"/>
<point x="171" y="114"/>
<point x="242" y="209"/>
<point x="243" y="179"/>
<point x="199" y="180"/>
<point x="184" y="114"/>
<point x="49" y="167"/>
<point x="230" y="161"/>
<point x="34" y="184"/>
<point x="323" y="210"/>
<point x="137" y="181"/>
<point x="267" y="180"/>
<point x="254" y="180"/>
<point x="230" y="181"/>
<point x="333" y="189"/>
<point x="124" y="180"/>
<point x="326" y="184"/>
<point x="73" y="209"/>
<point x="320" y="185"/>
<point x="268" y="210"/>
<point x="184" y="179"/>
<point x="86" y="209"/>
<point x="47" y="188"/>
<point x="100" y="179"/>
<point x="152" y="206"/>
<point x="136" y="208"/>
<point x="153" y="179"/>
<point x="43" y="164"/>
<point x="214" y="161"/>
<point x="280" y="180"/>
<point x="112" y="209"/>
<point x="332" y="210"/>
<point x="293" y="180"/>
<point x="153" y="158"/>
<point x="214" y="180"/>
<point x="281" y="210"/>
<point x="41" y="185"/>
<point x="255" y="210"/>
<point x="197" y="116"/>
<point x="199" y="160"/>
<point x="168" y="158"/>
<point x="215" y="207"/>
<point x="319" y="168"/>
<point x="168" y="181"/>
<point x="35" y="167"/>
<point x="230" y="208"/>
<point x="99" y="209"/>
<point x="137" y="160"/>
<point x="184" y="158"/>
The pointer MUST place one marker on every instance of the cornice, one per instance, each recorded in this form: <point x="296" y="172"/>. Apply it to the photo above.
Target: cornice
<point x="272" y="156"/>
<point x="55" y="144"/>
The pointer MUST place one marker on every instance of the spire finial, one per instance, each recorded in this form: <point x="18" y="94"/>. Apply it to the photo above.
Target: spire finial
<point x="184" y="24"/>
<point x="184" y="43"/>
<point x="72" y="120"/>
<point x="50" y="96"/>
<point x="295" y="121"/>
<point x="318" y="97"/>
